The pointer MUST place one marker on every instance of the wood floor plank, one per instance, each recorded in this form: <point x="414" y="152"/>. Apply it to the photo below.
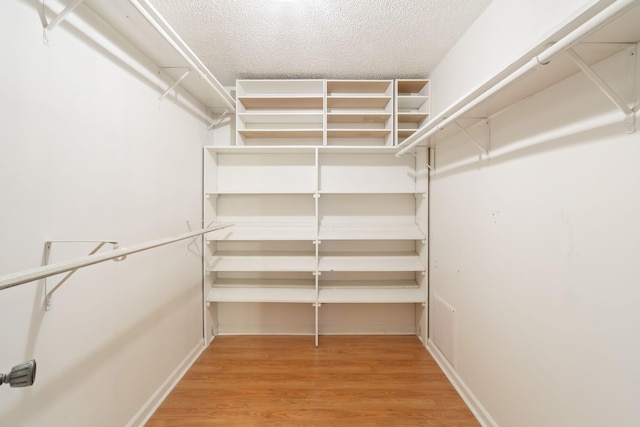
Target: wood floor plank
<point x="286" y="380"/>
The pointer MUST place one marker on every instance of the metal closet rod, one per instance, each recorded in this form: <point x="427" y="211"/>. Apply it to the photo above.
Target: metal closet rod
<point x="26" y="276"/>
<point x="169" y="34"/>
<point x="579" y="31"/>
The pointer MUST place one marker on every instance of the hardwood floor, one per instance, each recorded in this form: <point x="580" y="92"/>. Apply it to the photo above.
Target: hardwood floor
<point x="346" y="381"/>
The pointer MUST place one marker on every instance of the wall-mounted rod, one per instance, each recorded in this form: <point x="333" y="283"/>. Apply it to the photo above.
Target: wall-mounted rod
<point x="169" y="34"/>
<point x="20" y="278"/>
<point x="532" y="60"/>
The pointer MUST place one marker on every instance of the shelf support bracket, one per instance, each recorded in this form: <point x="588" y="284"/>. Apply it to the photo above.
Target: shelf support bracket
<point x="220" y="119"/>
<point x="175" y="84"/>
<point x="628" y="112"/>
<point x="472" y="138"/>
<point x="194" y="240"/>
<point x="47" y="256"/>
<point x="59" y="18"/>
<point x="422" y="160"/>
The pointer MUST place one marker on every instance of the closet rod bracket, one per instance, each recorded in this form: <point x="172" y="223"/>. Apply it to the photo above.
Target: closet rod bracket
<point x="481" y="147"/>
<point x="219" y="120"/>
<point x="48" y="27"/>
<point x="177" y="82"/>
<point x="47" y="257"/>
<point x="629" y="113"/>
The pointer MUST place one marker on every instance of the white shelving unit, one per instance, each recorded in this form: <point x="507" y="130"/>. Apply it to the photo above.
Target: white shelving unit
<point x="314" y="112"/>
<point x="412" y="107"/>
<point x="271" y="110"/>
<point x="316" y="225"/>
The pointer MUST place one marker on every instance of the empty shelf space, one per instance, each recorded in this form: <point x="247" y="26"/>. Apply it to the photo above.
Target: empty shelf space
<point x="370" y="263"/>
<point x="264" y="291"/>
<point x="346" y="293"/>
<point x="290" y="101"/>
<point x="284" y="262"/>
<point x="358" y="102"/>
<point x="345" y="87"/>
<point x="411" y="87"/>
<point x="406" y="133"/>
<point x="281" y="133"/>
<point x="411" y="117"/>
<point x="358" y="133"/>
<point x="265" y="231"/>
<point x="414" y="103"/>
<point x="381" y="231"/>
<point x="358" y="118"/>
<point x="280" y="119"/>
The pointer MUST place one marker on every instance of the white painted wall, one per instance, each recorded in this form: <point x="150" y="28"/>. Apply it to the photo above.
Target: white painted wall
<point x="537" y="248"/>
<point x="88" y="152"/>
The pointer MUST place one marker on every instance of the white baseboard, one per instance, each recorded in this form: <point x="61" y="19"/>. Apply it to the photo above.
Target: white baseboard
<point x="156" y="399"/>
<point x="461" y="387"/>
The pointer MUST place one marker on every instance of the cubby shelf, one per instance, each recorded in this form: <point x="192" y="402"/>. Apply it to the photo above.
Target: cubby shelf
<point x="412" y="107"/>
<point x="315" y="112"/>
<point x="390" y="294"/>
<point x="265" y="231"/>
<point x="341" y="262"/>
<point x="283" y="262"/>
<point x="299" y="292"/>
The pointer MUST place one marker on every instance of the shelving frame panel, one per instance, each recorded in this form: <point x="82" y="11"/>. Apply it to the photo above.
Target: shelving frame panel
<point x="351" y="247"/>
<point x="281" y="107"/>
<point x="359" y="112"/>
<point x="315" y="112"/>
<point x="411" y="107"/>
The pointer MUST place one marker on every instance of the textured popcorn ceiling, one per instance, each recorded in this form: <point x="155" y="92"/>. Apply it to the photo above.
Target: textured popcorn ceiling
<point x="340" y="39"/>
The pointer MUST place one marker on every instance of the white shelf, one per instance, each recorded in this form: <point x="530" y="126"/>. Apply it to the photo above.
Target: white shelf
<point x="368" y="102"/>
<point x="293" y="118"/>
<point x="369" y="295"/>
<point x="381" y="231"/>
<point x="339" y="262"/>
<point x="269" y="87"/>
<point x="358" y="133"/>
<point x="414" y="103"/>
<point x="281" y="133"/>
<point x="268" y="149"/>
<point x="358" y="87"/>
<point x="137" y="30"/>
<point x="282" y="102"/>
<point x="371" y="191"/>
<point x="411" y="117"/>
<point x="263" y="263"/>
<point x="266" y="231"/>
<point x="265" y="292"/>
<point x="274" y="191"/>
<point x="358" y="118"/>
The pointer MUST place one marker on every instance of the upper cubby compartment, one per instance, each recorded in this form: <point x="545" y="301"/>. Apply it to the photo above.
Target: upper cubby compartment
<point x="411" y="107"/>
<point x="315" y="112"/>
<point x="359" y="112"/>
<point x="270" y="111"/>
